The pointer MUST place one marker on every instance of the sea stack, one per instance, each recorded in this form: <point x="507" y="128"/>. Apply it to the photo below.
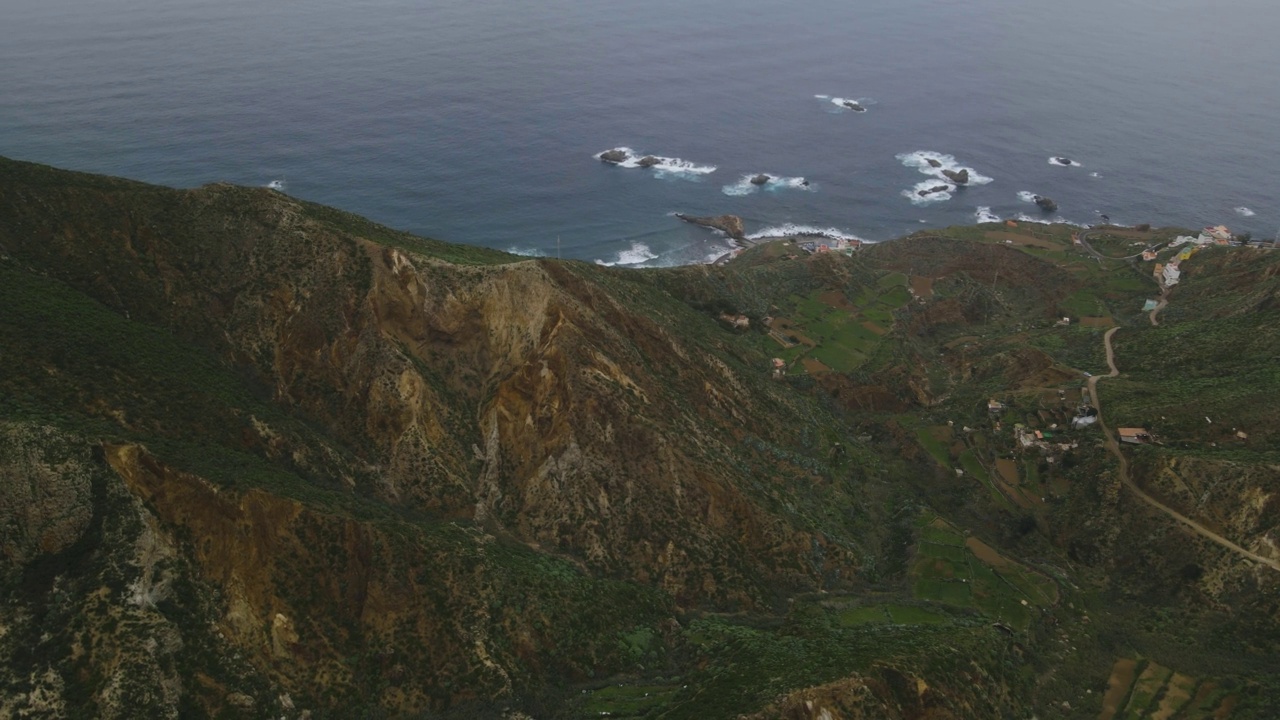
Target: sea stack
<point x="1046" y="204"/>
<point x="960" y="177"/>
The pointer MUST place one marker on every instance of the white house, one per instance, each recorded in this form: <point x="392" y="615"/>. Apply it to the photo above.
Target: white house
<point x="1171" y="273"/>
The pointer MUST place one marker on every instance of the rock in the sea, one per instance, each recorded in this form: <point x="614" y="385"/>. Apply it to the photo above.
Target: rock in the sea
<point x="613" y="156"/>
<point x="1046" y="204"/>
<point x="1062" y="160"/>
<point x="933" y="163"/>
<point x="932" y="190"/>
<point x="853" y="106"/>
<point x="960" y="177"/>
<point x="760" y="179"/>
<point x="730" y="225"/>
<point x="648" y="161"/>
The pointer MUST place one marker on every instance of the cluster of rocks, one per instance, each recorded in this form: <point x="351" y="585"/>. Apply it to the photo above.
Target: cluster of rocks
<point x="1045" y="204"/>
<point x="853" y="105"/>
<point x="617" y="157"/>
<point x="730" y="225"/>
<point x="935" y="189"/>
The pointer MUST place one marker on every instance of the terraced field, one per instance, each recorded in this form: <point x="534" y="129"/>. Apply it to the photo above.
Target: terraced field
<point x="966" y="572"/>
<point x="1141" y="688"/>
<point x="839" y="333"/>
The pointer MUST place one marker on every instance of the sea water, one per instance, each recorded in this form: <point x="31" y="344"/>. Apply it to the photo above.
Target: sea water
<point x="482" y="121"/>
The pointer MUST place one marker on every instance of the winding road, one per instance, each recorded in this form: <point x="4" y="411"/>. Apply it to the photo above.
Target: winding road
<point x="1084" y="241"/>
<point x="1113" y="446"/>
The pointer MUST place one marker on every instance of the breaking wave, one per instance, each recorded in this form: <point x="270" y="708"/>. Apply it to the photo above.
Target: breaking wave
<point x="1244" y="211"/>
<point x="1027" y="197"/>
<point x="913" y="193"/>
<point x="793" y="230"/>
<point x="1063" y="162"/>
<point x="527" y="252"/>
<point x="660" y="165"/>
<point x="277" y="185"/>
<point x="744" y="186"/>
<point x="857" y="105"/>
<point x="984" y="215"/>
<point x="920" y="160"/>
<point x="933" y="164"/>
<point x="1022" y="217"/>
<point x="637" y="254"/>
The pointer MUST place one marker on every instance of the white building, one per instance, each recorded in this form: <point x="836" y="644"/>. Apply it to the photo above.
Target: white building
<point x="1171" y="273"/>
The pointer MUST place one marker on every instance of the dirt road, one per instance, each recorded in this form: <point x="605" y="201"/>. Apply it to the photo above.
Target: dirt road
<point x="1113" y="446"/>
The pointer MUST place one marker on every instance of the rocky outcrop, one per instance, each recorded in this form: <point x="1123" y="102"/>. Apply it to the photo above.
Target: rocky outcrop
<point x="933" y="190"/>
<point x="730" y="225"/>
<point x="45" y="503"/>
<point x="854" y="106"/>
<point x="614" y="156"/>
<point x="760" y="179"/>
<point x="648" y="161"/>
<point x="959" y="177"/>
<point x="933" y="163"/>
<point x="1045" y="204"/>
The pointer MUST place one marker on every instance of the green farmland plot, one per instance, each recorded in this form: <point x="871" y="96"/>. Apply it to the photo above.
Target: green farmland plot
<point x="952" y="570"/>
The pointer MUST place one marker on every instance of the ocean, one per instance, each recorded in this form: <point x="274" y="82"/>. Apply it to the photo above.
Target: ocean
<point x="481" y="121"/>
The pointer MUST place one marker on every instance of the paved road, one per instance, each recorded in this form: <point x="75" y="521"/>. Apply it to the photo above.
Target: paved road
<point x="1114" y="448"/>
<point x="1160" y="305"/>
<point x="1084" y="240"/>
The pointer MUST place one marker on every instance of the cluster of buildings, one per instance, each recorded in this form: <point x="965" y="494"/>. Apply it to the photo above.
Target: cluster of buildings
<point x="840" y="245"/>
<point x="1218" y="235"/>
<point x="1169" y="273"/>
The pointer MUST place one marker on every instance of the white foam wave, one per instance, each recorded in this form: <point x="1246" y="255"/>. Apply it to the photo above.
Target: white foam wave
<point x="984" y="215"/>
<point x="823" y="97"/>
<point x="1022" y="217"/>
<point x="277" y="185"/>
<point x="1027" y="197"/>
<point x="913" y="193"/>
<point x="1244" y="211"/>
<point x="920" y="161"/>
<point x="527" y="252"/>
<point x="793" y="230"/>
<point x="637" y="254"/>
<point x="661" y="166"/>
<point x="1094" y="174"/>
<point x="860" y="103"/>
<point x="744" y="186"/>
<point x="934" y="164"/>
<point x="1060" y="161"/>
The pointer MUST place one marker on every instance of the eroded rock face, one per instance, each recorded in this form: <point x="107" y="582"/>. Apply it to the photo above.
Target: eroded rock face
<point x="45" y="494"/>
<point x="1045" y="204"/>
<point x="960" y="177"/>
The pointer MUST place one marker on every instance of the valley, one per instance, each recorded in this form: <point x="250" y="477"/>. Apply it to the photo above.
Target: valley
<point x="264" y="458"/>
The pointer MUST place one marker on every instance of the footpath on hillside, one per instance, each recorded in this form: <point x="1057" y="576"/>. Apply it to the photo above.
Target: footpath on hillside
<point x="1113" y="446"/>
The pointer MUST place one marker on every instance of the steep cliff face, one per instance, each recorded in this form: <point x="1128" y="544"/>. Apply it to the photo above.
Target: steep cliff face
<point x="385" y="471"/>
<point x="519" y="393"/>
<point x="261" y="458"/>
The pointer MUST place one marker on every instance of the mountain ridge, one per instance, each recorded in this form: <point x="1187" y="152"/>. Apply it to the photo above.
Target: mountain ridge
<point x="398" y="476"/>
